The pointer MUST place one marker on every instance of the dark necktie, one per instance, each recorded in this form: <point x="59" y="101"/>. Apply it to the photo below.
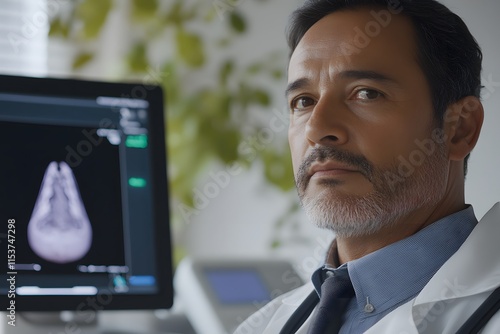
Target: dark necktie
<point x="336" y="292"/>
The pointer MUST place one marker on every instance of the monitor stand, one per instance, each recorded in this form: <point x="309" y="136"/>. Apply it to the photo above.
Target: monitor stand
<point x="108" y="322"/>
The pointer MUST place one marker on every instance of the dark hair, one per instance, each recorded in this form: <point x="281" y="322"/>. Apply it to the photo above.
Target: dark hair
<point x="448" y="54"/>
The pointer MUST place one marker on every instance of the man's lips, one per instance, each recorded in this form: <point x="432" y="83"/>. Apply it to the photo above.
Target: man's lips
<point x="330" y="168"/>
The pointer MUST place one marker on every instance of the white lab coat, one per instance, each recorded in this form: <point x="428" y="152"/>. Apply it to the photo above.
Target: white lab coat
<point x="444" y="304"/>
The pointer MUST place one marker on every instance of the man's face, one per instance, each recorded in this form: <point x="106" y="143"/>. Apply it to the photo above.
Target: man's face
<point x="365" y="147"/>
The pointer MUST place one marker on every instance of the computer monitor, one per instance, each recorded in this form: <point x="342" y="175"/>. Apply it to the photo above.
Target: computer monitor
<point x="83" y="196"/>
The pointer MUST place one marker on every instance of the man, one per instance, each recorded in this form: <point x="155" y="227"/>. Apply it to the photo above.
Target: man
<point x="385" y="110"/>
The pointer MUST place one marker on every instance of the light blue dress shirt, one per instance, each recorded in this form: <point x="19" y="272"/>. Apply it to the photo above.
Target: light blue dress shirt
<point x="391" y="276"/>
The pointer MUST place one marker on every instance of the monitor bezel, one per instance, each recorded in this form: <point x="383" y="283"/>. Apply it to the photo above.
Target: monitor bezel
<point x="79" y="88"/>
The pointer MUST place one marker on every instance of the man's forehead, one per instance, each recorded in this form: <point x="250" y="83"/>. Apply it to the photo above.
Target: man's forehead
<point x="344" y="38"/>
<point x="372" y="21"/>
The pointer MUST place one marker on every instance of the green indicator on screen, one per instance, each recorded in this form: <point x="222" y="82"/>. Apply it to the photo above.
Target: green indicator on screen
<point x="137" y="182"/>
<point x="137" y="141"/>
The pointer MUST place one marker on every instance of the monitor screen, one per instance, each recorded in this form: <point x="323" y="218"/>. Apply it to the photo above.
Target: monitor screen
<point x="83" y="196"/>
<point x="238" y="286"/>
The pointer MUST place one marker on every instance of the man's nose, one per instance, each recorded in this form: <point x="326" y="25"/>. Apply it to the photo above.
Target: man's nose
<point x="327" y="124"/>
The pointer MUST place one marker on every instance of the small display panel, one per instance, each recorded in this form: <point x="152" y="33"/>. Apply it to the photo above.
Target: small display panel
<point x="238" y="286"/>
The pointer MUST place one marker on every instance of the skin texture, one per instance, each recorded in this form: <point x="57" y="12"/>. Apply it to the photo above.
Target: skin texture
<point x="368" y="107"/>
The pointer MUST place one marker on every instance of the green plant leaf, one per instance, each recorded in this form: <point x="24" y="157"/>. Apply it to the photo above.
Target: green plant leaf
<point x="137" y="58"/>
<point x="225" y="71"/>
<point x="278" y="169"/>
<point x="174" y="14"/>
<point x="190" y="48"/>
<point x="170" y="83"/>
<point x="275" y="244"/>
<point x="261" y="97"/>
<point x="177" y="15"/>
<point x="144" y="9"/>
<point x="93" y="14"/>
<point x="213" y="105"/>
<point x="226" y="145"/>
<point x="81" y="60"/>
<point x="277" y="74"/>
<point x="58" y="28"/>
<point x="210" y="15"/>
<point x="255" y="68"/>
<point x="179" y="253"/>
<point x="237" y="22"/>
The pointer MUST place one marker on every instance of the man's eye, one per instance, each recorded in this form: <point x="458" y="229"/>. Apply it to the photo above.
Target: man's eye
<point x="302" y="102"/>
<point x="367" y="94"/>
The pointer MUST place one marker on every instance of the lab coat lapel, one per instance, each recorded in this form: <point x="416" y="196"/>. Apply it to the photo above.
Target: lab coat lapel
<point x="288" y="305"/>
<point x="469" y="271"/>
<point x="463" y="275"/>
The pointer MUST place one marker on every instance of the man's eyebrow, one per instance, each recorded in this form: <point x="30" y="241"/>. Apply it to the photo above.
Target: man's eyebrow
<point x="297" y="84"/>
<point x="371" y="75"/>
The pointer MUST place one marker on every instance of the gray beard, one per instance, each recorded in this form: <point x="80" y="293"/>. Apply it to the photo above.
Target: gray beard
<point x="354" y="216"/>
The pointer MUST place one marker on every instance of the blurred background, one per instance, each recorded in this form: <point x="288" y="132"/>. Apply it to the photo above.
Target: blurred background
<point x="222" y="64"/>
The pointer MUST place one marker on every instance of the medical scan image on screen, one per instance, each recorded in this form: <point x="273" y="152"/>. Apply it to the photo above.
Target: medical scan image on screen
<point x="67" y="230"/>
<point x="80" y="188"/>
<point x="59" y="229"/>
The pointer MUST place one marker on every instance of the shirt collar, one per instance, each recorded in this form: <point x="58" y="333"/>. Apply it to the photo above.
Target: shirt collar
<point x="398" y="272"/>
<point x="332" y="264"/>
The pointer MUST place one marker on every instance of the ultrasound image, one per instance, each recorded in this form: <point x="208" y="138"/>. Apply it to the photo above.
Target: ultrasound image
<point x="59" y="230"/>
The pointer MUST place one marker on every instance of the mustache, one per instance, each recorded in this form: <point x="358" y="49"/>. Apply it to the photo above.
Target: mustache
<point x="324" y="153"/>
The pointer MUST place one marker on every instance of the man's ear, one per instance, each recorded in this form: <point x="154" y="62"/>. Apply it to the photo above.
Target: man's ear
<point x="462" y="124"/>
